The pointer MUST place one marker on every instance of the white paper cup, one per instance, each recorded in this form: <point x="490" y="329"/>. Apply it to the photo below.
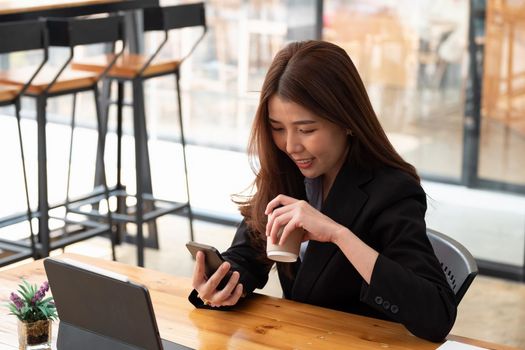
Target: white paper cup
<point x="289" y="251"/>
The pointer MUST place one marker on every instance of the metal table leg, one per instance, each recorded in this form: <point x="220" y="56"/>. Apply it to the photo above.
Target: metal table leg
<point x="43" y="205"/>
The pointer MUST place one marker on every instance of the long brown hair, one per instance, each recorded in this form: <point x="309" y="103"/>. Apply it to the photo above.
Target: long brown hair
<point x="321" y="77"/>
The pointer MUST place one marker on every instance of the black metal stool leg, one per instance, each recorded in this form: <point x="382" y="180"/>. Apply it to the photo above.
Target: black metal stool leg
<point x="183" y="143"/>
<point x="151" y="240"/>
<point x="104" y="100"/>
<point x="68" y="182"/>
<point x="121" y="200"/>
<point x="138" y="116"/>
<point x="72" y="127"/>
<point x="101" y="147"/>
<point x="43" y="204"/>
<point x="28" y="203"/>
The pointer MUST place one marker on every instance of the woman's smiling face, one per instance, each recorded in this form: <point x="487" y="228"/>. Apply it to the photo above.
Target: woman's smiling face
<point x="316" y="145"/>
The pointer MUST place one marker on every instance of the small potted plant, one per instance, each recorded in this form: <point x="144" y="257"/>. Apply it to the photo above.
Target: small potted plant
<point x="35" y="313"/>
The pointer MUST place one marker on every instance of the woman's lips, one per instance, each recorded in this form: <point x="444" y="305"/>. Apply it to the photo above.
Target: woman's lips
<point x="304" y="163"/>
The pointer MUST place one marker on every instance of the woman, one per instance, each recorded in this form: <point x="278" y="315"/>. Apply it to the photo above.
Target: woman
<point x="326" y="166"/>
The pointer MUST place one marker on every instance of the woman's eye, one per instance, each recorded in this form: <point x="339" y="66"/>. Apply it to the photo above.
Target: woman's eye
<point x="306" y="131"/>
<point x="274" y="128"/>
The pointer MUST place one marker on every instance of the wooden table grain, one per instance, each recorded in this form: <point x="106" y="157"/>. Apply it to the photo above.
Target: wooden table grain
<point x="260" y="322"/>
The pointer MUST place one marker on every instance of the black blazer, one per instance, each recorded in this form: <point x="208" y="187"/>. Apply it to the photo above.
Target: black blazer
<point x="385" y="208"/>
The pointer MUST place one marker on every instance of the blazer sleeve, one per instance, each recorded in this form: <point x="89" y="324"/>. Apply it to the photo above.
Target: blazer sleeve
<point x="251" y="262"/>
<point x="407" y="281"/>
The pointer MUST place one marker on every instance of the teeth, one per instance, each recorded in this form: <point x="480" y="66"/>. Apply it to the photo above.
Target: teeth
<point x="303" y="161"/>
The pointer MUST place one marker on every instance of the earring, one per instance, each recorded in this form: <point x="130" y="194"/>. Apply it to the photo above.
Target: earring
<point x="349" y="132"/>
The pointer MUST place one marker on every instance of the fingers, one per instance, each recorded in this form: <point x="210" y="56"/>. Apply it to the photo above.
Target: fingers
<point x="278" y="224"/>
<point x="280" y="200"/>
<point x="207" y="289"/>
<point x="274" y="203"/>
<point x="271" y="218"/>
<point x="282" y="221"/>
<point x="199" y="277"/>
<point x="292" y="225"/>
<point x="235" y="296"/>
<point x="217" y="277"/>
<point x="276" y="208"/>
<point x="225" y="293"/>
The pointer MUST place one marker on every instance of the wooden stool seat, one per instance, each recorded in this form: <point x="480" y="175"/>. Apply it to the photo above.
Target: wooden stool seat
<point x="8" y="92"/>
<point x="69" y="80"/>
<point x="127" y="66"/>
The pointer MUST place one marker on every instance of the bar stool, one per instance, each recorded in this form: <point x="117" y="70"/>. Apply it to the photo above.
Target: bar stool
<point x="136" y="69"/>
<point x="70" y="32"/>
<point x="16" y="37"/>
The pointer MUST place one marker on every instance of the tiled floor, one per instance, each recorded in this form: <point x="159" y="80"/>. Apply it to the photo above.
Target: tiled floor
<point x="492" y="309"/>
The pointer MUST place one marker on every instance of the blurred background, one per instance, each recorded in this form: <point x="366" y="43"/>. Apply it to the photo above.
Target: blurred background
<point x="446" y="79"/>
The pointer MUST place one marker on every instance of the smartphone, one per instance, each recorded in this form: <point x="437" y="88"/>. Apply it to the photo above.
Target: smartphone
<point x="213" y="259"/>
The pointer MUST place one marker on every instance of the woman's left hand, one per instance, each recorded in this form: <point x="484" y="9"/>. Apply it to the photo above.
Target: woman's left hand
<point x="292" y="214"/>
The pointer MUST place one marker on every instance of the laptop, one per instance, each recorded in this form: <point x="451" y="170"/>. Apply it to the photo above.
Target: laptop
<point x="101" y="309"/>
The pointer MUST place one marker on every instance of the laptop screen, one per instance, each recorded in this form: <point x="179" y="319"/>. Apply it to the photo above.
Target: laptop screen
<point x="103" y="302"/>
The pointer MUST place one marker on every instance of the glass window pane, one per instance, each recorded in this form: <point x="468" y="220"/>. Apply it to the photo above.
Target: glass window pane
<point x="410" y="55"/>
<point x="503" y="105"/>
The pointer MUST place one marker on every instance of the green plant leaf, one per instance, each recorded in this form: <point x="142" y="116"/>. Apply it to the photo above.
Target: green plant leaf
<point x="44" y="312"/>
<point x="27" y="290"/>
<point x="40" y="310"/>
<point x="24" y="293"/>
<point x="25" y="285"/>
<point x="14" y="310"/>
<point x="47" y="300"/>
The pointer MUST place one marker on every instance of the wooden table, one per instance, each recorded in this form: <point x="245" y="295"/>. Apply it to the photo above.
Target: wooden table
<point x="261" y="322"/>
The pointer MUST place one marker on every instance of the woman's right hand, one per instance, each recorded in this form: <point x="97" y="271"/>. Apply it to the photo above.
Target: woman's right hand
<point x="207" y="288"/>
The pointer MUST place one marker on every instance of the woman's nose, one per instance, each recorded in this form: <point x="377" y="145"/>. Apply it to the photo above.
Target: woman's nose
<point x="293" y="144"/>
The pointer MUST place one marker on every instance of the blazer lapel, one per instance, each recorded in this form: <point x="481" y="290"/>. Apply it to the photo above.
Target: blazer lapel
<point x="343" y="204"/>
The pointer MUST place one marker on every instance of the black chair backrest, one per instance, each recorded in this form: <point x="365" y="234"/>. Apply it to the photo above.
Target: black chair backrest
<point x="457" y="263"/>
<point x="174" y="17"/>
<point x="22" y="36"/>
<point x="71" y="32"/>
